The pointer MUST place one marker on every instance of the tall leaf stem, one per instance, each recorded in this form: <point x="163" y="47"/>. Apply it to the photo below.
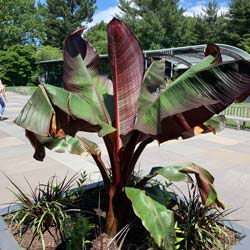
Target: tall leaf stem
<point x="126" y="156"/>
<point x="103" y="170"/>
<point x="114" y="159"/>
<point x="136" y="156"/>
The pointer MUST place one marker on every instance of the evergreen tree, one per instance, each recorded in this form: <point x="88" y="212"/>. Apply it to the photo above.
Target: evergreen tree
<point x="156" y="23"/>
<point x="239" y="23"/>
<point x="210" y="26"/>
<point x="63" y="17"/>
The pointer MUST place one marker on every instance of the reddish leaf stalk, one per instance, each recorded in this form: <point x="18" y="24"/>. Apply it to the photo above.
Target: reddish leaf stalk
<point x="113" y="219"/>
<point x="183" y="121"/>
<point x="103" y="170"/>
<point x="135" y="157"/>
<point x="117" y="118"/>
<point x="118" y="208"/>
<point x="127" y="157"/>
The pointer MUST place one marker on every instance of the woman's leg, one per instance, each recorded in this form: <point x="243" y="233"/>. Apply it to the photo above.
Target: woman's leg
<point x="2" y="103"/>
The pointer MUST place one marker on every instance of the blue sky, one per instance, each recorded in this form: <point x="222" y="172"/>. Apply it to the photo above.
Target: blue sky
<point x="106" y="9"/>
<point x="105" y="4"/>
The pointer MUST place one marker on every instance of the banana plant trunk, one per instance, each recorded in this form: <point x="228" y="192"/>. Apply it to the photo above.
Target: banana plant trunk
<point x="118" y="204"/>
<point x="118" y="207"/>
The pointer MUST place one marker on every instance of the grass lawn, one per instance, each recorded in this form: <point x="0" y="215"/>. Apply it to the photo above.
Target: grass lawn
<point x="232" y="123"/>
<point x="24" y="90"/>
<point x="247" y="104"/>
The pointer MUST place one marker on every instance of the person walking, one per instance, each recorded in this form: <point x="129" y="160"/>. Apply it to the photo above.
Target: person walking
<point x="3" y="99"/>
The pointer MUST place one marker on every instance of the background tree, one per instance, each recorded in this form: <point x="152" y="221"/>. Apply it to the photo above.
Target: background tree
<point x="210" y="26"/>
<point x="63" y="17"/>
<point x="188" y="32"/>
<point x="17" y="64"/>
<point x="48" y="53"/>
<point x="97" y="36"/>
<point x="157" y="24"/>
<point x="239" y="24"/>
<point x="19" y="23"/>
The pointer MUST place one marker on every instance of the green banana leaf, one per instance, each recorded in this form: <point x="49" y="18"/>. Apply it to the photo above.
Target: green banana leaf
<point x="80" y="74"/>
<point x="182" y="172"/>
<point x="39" y="114"/>
<point x="156" y="218"/>
<point x="153" y="79"/>
<point x="202" y="91"/>
<point x="72" y="145"/>
<point x="80" y="58"/>
<point x="68" y="144"/>
<point x="217" y="122"/>
<point x="179" y="97"/>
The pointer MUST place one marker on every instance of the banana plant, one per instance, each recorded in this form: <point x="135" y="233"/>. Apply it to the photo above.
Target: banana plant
<point x="125" y="111"/>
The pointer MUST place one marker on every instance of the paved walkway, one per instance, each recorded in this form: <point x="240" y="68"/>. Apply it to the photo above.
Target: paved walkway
<point x="226" y="156"/>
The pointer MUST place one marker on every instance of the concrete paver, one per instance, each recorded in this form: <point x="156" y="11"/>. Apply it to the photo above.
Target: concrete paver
<point x="226" y="156"/>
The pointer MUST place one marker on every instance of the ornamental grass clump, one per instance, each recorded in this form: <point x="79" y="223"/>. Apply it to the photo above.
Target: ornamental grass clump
<point x="43" y="209"/>
<point x="201" y="227"/>
<point x="128" y="112"/>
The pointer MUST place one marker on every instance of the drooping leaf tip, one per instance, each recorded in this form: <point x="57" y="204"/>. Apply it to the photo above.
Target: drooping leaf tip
<point x="77" y="31"/>
<point x="212" y="49"/>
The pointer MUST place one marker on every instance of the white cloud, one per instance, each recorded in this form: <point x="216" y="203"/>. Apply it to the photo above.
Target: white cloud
<point x="197" y="9"/>
<point x="104" y="15"/>
<point x="223" y="9"/>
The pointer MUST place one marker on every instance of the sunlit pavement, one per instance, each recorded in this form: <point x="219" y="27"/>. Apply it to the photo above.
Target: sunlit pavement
<point x="226" y="155"/>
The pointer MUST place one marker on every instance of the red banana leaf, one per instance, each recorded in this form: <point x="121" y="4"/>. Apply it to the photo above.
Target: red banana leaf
<point x="127" y="61"/>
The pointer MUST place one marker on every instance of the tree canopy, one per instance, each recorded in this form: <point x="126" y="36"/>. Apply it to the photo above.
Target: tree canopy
<point x="157" y="24"/>
<point x="63" y="17"/>
<point x="163" y="24"/>
<point x="20" y="23"/>
<point x="48" y="53"/>
<point x="239" y="28"/>
<point x="210" y="26"/>
<point x="17" y="64"/>
<point x="98" y="37"/>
